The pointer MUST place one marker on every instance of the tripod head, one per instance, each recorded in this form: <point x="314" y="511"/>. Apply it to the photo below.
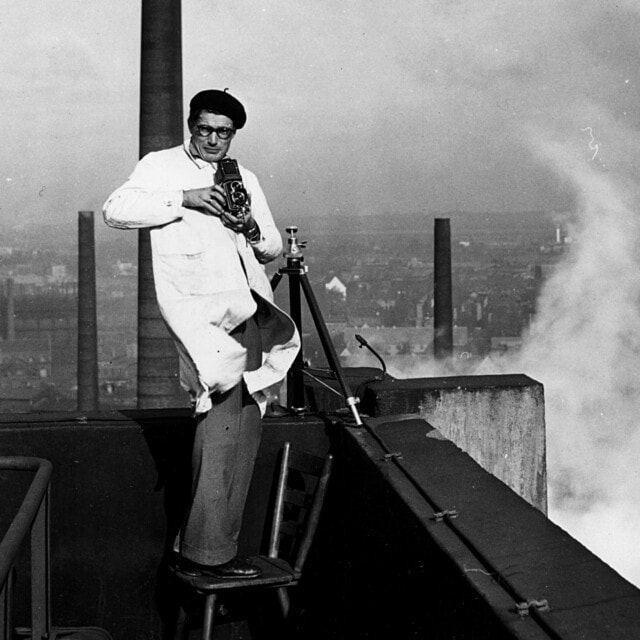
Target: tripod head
<point x="295" y="246"/>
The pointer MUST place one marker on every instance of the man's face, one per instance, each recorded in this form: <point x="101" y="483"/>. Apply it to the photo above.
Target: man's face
<point x="207" y="135"/>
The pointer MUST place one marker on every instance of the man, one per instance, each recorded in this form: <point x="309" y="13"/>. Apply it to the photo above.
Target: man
<point x="217" y="302"/>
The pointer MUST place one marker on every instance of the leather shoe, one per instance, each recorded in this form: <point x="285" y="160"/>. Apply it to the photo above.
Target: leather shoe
<point x="236" y="568"/>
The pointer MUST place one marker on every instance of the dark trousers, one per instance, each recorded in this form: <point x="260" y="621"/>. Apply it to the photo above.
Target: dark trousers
<point x="224" y="452"/>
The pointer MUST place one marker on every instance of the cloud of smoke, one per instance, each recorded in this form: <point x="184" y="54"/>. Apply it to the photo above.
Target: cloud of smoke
<point x="565" y="85"/>
<point x="584" y="342"/>
<point x="584" y="346"/>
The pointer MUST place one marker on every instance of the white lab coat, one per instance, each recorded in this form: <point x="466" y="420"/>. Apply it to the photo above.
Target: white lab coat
<point x="203" y="291"/>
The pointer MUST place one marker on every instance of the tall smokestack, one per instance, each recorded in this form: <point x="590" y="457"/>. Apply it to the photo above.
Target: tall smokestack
<point x="87" y="316"/>
<point x="161" y="126"/>
<point x="11" y="312"/>
<point x="443" y="306"/>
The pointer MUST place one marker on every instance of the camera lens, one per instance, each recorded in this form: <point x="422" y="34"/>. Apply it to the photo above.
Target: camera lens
<point x="237" y="193"/>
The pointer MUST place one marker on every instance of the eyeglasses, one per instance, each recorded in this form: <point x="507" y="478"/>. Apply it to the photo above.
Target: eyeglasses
<point x="204" y="131"/>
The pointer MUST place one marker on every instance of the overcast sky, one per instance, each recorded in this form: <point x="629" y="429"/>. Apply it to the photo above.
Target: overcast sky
<point x="360" y="106"/>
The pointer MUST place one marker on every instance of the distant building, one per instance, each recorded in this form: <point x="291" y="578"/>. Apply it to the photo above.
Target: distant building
<point x="59" y="274"/>
<point x="506" y="343"/>
<point x="26" y="381"/>
<point x="125" y="268"/>
<point x="336" y="285"/>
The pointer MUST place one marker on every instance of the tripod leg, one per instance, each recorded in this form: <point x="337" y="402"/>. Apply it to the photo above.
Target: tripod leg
<point x="295" y="382"/>
<point x="275" y="280"/>
<point x="327" y="344"/>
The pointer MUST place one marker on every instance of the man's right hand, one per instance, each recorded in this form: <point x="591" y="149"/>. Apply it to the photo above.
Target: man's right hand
<point x="209" y="200"/>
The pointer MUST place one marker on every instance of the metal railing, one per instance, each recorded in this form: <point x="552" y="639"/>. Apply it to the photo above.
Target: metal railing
<point x="32" y="518"/>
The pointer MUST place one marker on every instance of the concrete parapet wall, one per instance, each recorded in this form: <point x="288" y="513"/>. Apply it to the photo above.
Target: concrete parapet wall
<point x="435" y="547"/>
<point x="498" y="420"/>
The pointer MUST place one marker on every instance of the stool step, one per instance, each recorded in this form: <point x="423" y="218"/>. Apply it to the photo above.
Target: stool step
<point x="275" y="572"/>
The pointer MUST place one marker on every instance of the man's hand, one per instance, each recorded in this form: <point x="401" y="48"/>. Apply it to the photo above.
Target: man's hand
<point x="240" y="223"/>
<point x="209" y="200"/>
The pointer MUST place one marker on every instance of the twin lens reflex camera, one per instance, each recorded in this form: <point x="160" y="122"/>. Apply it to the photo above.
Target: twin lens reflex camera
<point x="236" y="196"/>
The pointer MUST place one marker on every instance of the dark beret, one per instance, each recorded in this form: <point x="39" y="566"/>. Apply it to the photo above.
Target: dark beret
<point x="220" y="102"/>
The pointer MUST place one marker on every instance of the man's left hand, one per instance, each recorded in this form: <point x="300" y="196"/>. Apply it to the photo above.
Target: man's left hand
<point x="239" y="223"/>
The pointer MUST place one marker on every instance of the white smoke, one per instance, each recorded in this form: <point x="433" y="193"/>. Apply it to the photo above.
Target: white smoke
<point x="584" y="346"/>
